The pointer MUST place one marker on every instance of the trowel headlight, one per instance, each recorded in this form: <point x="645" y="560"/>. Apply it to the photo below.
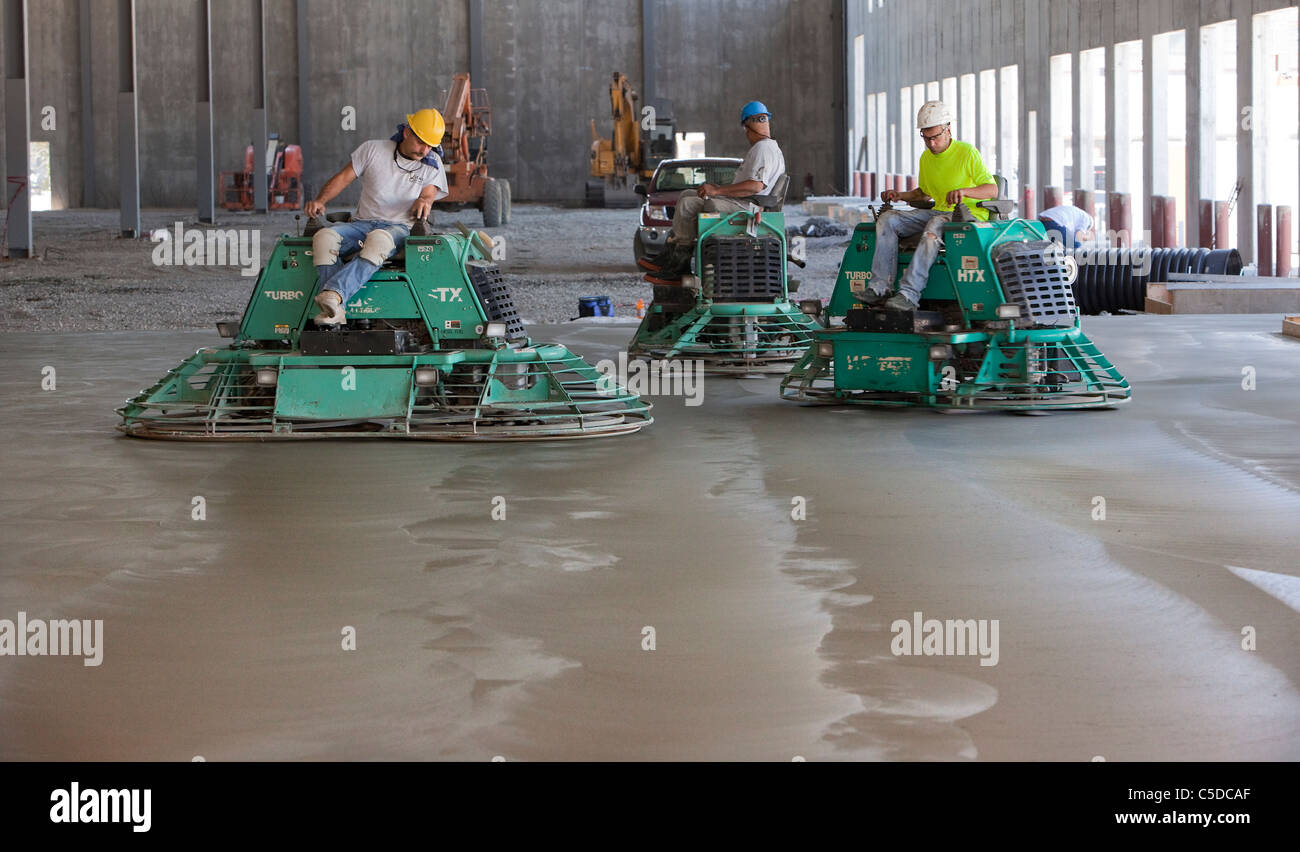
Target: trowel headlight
<point x="267" y="377"/>
<point x="941" y="352"/>
<point x="495" y="329"/>
<point x="811" y="307"/>
<point x="825" y="349"/>
<point x="1008" y="311"/>
<point x="426" y="376"/>
<point x="227" y="328"/>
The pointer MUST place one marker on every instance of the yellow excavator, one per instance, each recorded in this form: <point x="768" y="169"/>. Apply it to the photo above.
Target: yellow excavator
<point x="631" y="154"/>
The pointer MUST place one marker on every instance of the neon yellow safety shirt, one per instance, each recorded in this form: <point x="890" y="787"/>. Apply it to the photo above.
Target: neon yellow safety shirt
<point x="958" y="167"/>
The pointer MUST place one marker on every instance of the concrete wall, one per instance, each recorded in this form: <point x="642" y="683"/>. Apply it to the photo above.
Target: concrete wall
<point x="917" y="41"/>
<point x="546" y="72"/>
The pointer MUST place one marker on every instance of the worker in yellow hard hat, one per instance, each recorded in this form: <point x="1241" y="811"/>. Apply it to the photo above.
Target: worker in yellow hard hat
<point x="401" y="178"/>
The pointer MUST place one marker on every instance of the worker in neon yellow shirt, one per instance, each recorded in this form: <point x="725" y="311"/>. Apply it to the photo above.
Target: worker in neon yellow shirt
<point x="952" y="172"/>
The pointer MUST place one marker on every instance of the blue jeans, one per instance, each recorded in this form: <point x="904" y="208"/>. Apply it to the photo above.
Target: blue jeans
<point x="893" y="224"/>
<point x="346" y="278"/>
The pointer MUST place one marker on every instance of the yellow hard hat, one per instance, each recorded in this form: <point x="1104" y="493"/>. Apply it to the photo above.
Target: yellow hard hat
<point x="428" y="125"/>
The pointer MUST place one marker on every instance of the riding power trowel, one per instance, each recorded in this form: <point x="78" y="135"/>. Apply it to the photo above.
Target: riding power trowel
<point x="432" y="348"/>
<point x="997" y="327"/>
<point x="734" y="313"/>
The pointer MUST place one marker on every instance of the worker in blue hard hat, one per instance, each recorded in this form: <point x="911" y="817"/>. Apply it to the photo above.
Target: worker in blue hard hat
<point x="762" y="167"/>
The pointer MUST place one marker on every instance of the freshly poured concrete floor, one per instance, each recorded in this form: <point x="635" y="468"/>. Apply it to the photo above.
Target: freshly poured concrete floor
<point x="523" y="637"/>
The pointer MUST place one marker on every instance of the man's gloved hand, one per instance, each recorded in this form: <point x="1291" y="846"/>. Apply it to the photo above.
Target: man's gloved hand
<point x="314" y="208"/>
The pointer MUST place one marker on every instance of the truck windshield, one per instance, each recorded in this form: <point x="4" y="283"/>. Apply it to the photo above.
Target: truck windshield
<point x="689" y="177"/>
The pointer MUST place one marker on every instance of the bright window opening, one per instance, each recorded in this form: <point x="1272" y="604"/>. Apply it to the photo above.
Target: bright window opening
<point x="1061" y="70"/>
<point x="39" y="188"/>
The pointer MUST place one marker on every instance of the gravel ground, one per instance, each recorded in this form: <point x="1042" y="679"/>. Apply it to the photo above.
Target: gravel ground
<point x="86" y="278"/>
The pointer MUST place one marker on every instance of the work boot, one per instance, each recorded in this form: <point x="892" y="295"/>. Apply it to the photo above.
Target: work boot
<point x="899" y="302"/>
<point x="678" y="263"/>
<point x="871" y="298"/>
<point x="655" y="262"/>
<point x="331" y="305"/>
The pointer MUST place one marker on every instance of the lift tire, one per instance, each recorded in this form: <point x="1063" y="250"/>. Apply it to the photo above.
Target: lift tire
<point x="492" y="203"/>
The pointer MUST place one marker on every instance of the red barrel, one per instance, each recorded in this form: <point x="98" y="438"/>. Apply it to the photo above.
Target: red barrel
<point x="1120" y="210"/>
<point x="1221" y="216"/>
<point x="1083" y="199"/>
<point x="1207" y="224"/>
<point x="1283" y="259"/>
<point x="1052" y="197"/>
<point x="1027" y="208"/>
<point x="1264" y="239"/>
<point x="1157" y="219"/>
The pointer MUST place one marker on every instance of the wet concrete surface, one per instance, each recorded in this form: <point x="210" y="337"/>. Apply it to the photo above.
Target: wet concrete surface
<point x="523" y="637"/>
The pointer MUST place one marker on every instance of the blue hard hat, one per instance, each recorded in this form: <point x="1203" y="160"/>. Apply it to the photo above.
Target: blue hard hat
<point x="752" y="109"/>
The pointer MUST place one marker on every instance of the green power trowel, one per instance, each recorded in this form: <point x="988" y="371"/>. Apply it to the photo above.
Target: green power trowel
<point x="734" y="314"/>
<point x="997" y="328"/>
<point x="433" y="348"/>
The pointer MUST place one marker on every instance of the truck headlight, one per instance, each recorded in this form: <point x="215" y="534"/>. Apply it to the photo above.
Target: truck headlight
<point x="1008" y="311"/>
<point x="657" y="211"/>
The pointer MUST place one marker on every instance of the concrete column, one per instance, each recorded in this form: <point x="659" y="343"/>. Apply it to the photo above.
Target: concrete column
<point x="204" y="162"/>
<point x="302" y="18"/>
<point x="1113" y="125"/>
<point x="1245" y="136"/>
<point x="648" y="67"/>
<point x="259" y="107"/>
<point x="1199" y="117"/>
<point x="88" y="184"/>
<point x="18" y="132"/>
<point x="1077" y="179"/>
<point x="128" y="147"/>
<point x="476" y="43"/>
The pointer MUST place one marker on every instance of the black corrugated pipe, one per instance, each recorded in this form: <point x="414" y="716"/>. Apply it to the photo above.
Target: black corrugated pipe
<point x="1115" y="279"/>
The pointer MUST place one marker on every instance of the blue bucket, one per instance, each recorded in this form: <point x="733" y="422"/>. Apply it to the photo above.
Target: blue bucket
<point x="595" y="306"/>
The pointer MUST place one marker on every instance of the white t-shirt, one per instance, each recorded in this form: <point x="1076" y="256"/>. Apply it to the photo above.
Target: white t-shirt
<point x="391" y="184"/>
<point x="1070" y="216"/>
<point x="764" y="162"/>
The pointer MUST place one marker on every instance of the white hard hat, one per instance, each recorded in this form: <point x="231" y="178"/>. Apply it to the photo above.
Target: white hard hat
<point x="932" y="114"/>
